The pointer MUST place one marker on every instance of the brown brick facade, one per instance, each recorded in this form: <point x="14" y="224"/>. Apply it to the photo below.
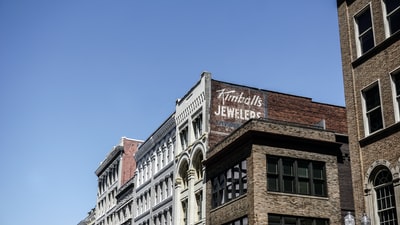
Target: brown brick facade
<point x="369" y="152"/>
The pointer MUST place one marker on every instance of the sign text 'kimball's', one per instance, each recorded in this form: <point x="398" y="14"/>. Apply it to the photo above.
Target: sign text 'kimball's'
<point x="240" y="99"/>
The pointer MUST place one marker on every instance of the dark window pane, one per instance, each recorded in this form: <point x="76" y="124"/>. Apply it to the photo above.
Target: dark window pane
<point x="367" y="41"/>
<point x="396" y="79"/>
<point x="394" y="21"/>
<point x="375" y="120"/>
<point x="372" y="97"/>
<point x="304" y="186"/>
<point x="288" y="167"/>
<point x="272" y="167"/>
<point x="273" y="184"/>
<point x="319" y="188"/>
<point x="306" y="221"/>
<point x="288" y="185"/>
<point x="289" y="220"/>
<point x="364" y="21"/>
<point x="274" y="220"/>
<point x="391" y="5"/>
<point x="318" y="171"/>
<point x="302" y="169"/>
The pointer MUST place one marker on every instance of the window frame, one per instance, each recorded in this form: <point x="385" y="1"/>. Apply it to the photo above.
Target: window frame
<point x="225" y="190"/>
<point x="366" y="119"/>
<point x="280" y="178"/>
<point x="387" y="24"/>
<point x="395" y="77"/>
<point x="360" y="50"/>
<point x="297" y="220"/>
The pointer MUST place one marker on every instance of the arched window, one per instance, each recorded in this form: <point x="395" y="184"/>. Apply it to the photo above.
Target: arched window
<point x="183" y="174"/>
<point x="197" y="165"/>
<point x="385" y="199"/>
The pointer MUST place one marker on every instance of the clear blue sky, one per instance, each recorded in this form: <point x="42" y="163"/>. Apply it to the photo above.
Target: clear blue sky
<point x="77" y="75"/>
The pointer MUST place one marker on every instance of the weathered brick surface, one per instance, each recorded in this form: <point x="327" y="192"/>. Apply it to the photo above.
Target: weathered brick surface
<point x="259" y="138"/>
<point x="128" y="161"/>
<point x="358" y="74"/>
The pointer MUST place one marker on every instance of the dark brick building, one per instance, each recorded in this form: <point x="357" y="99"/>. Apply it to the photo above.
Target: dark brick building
<point x="287" y="162"/>
<point x="369" y="36"/>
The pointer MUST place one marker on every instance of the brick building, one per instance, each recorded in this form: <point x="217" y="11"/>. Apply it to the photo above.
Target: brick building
<point x="211" y="111"/>
<point x="114" y="172"/>
<point x="275" y="172"/>
<point x="370" y="46"/>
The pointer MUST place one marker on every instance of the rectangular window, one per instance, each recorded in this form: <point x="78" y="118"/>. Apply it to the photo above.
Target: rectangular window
<point x="198" y="126"/>
<point x="365" y="35"/>
<point x="296" y="176"/>
<point x="372" y="109"/>
<point x="396" y="93"/>
<point x="274" y="219"/>
<point x="392" y="14"/>
<point x="184" y="138"/>
<point x="241" y="221"/>
<point x="229" y="184"/>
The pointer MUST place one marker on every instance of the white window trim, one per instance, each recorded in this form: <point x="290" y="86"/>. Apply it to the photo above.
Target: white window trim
<point x="385" y="21"/>
<point x="357" y="33"/>
<point x="396" y="103"/>
<point x="364" y="107"/>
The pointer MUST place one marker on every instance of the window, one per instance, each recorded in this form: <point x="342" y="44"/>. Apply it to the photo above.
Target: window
<point x="396" y="93"/>
<point x="185" y="212"/>
<point x="392" y="14"/>
<point x="365" y="34"/>
<point x="292" y="220"/>
<point x="385" y="199"/>
<point x="199" y="203"/>
<point x="241" y="221"/>
<point x="230" y="184"/>
<point x="198" y="126"/>
<point x="296" y="176"/>
<point x="184" y="138"/>
<point x="372" y="109"/>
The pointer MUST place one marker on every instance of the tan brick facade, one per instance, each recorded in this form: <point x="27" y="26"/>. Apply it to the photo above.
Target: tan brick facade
<point x="253" y="142"/>
<point x="370" y="152"/>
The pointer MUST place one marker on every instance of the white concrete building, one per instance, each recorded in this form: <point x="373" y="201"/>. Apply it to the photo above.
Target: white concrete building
<point x="154" y="177"/>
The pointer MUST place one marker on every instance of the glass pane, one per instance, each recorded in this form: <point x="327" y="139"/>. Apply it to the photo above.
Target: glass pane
<point x="372" y="98"/>
<point x="304" y="187"/>
<point x="375" y="120"/>
<point x="272" y="184"/>
<point x="396" y="80"/>
<point x="305" y="221"/>
<point x="367" y="41"/>
<point x="302" y="169"/>
<point x="288" y="185"/>
<point x="289" y="220"/>
<point x="321" y="222"/>
<point x="288" y="167"/>
<point x="364" y="21"/>
<point x="391" y="5"/>
<point x="318" y="171"/>
<point x="319" y="188"/>
<point x="394" y="21"/>
<point x="274" y="220"/>
<point x="245" y="221"/>
<point x="272" y="166"/>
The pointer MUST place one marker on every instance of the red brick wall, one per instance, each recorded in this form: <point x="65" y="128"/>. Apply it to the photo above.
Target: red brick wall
<point x="128" y="161"/>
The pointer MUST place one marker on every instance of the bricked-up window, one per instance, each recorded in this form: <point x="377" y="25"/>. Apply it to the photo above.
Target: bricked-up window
<point x="385" y="197"/>
<point x="365" y="34"/>
<point x="229" y="184"/>
<point x="241" y="221"/>
<point x="372" y="109"/>
<point x="396" y="93"/>
<point x="274" y="219"/>
<point x="392" y="13"/>
<point x="296" y="176"/>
